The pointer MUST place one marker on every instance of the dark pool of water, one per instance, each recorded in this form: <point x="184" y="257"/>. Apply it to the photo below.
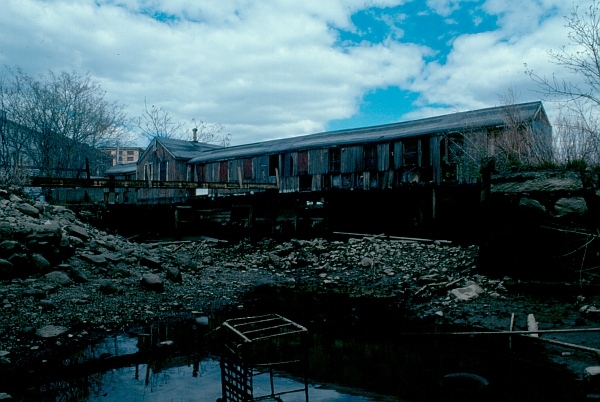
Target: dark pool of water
<point x="358" y="350"/>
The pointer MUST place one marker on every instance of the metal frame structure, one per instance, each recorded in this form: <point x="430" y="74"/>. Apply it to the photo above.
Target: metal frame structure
<point x="258" y="345"/>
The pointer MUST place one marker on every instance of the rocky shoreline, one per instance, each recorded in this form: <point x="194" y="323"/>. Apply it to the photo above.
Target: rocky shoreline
<point x="62" y="281"/>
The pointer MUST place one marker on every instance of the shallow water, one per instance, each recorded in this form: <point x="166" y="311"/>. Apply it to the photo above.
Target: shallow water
<point x="189" y="378"/>
<point x="180" y="384"/>
<point x="355" y="352"/>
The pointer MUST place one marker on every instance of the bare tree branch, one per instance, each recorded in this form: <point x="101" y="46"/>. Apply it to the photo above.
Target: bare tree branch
<point x="57" y="119"/>
<point x="158" y="122"/>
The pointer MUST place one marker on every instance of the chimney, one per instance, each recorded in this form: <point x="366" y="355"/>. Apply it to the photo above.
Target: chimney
<point x="195" y="131"/>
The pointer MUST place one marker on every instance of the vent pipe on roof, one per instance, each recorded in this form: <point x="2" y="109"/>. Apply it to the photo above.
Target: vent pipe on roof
<point x="195" y="131"/>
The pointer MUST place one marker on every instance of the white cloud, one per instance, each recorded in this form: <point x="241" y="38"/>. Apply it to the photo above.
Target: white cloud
<point x="275" y="68"/>
<point x="446" y="7"/>
<point x="481" y="68"/>
<point x="263" y="69"/>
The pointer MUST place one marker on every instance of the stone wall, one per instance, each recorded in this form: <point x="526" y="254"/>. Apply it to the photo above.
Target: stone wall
<point x="543" y="225"/>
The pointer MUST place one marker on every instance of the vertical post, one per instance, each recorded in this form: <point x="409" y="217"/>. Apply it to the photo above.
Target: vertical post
<point x="87" y="167"/>
<point x="223" y="379"/>
<point x="240" y="176"/>
<point x="433" y="205"/>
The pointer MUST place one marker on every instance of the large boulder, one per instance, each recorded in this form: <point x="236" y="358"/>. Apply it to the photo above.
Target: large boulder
<point x="570" y="206"/>
<point x="10" y="247"/>
<point x="40" y="263"/>
<point x="7" y="269"/>
<point x="173" y="274"/>
<point x="28" y="209"/>
<point x="78" y="231"/>
<point x="59" y="278"/>
<point x="152" y="282"/>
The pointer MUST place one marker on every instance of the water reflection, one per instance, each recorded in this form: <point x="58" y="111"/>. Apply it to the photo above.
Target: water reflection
<point x="170" y="362"/>
<point x="179" y="383"/>
<point x="164" y="362"/>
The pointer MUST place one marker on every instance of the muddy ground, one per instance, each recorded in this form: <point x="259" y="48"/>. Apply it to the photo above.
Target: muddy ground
<point x="64" y="282"/>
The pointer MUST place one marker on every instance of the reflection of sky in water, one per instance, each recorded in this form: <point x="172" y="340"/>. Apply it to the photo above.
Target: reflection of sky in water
<point x="177" y="384"/>
<point x="116" y="346"/>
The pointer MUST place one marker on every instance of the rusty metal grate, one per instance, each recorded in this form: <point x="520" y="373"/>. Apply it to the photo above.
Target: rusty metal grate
<point x="257" y="345"/>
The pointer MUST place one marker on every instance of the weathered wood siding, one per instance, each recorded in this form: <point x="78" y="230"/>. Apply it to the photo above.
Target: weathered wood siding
<point x="383" y="157"/>
<point x="318" y="161"/>
<point x="352" y="159"/>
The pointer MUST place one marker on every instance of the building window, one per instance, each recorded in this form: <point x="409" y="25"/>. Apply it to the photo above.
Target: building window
<point x="223" y="171"/>
<point x="335" y="160"/>
<point x="247" y="167"/>
<point x="305" y="182"/>
<point x="409" y="154"/>
<point x="163" y="170"/>
<point x="370" y="156"/>
<point x="130" y="159"/>
<point x="273" y="165"/>
<point x="200" y="173"/>
<point x="130" y="152"/>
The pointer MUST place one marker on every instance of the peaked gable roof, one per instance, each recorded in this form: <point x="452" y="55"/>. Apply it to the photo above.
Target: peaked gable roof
<point x="180" y="149"/>
<point x="455" y="122"/>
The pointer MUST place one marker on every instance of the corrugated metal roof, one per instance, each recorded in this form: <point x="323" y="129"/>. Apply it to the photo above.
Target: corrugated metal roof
<point x="181" y="149"/>
<point x="454" y="122"/>
<point x="121" y="169"/>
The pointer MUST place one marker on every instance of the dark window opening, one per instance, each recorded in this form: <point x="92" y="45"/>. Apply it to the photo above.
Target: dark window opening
<point x="305" y="182"/>
<point x="370" y="156"/>
<point x="425" y="151"/>
<point x="163" y="171"/>
<point x="347" y="180"/>
<point x="335" y="160"/>
<point x="223" y="171"/>
<point x="336" y="181"/>
<point x="409" y="154"/>
<point x="200" y="173"/>
<point x="273" y="165"/>
<point x="391" y="160"/>
<point x="247" y="168"/>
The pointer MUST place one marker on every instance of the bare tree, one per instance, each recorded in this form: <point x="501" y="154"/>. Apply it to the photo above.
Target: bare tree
<point x="583" y="61"/>
<point x="577" y="137"/>
<point x="158" y="122"/>
<point x="155" y="121"/>
<point x="210" y="133"/>
<point x="58" y="118"/>
<point x="515" y="144"/>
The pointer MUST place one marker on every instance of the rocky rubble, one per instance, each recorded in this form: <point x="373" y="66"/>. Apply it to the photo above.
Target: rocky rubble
<point x="62" y="280"/>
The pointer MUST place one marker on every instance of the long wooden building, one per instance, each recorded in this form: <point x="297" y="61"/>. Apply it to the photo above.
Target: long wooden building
<point x="443" y="149"/>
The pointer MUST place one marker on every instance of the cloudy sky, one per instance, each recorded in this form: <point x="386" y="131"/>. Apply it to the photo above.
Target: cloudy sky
<point x="269" y="69"/>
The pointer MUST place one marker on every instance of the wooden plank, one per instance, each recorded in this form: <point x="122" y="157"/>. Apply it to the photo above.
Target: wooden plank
<point x="111" y="183"/>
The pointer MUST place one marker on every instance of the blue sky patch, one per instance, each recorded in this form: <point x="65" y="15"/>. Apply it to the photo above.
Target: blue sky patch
<point x="414" y="22"/>
<point x="382" y="106"/>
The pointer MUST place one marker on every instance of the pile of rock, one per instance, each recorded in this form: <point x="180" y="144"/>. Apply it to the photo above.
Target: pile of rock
<point x="59" y="272"/>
